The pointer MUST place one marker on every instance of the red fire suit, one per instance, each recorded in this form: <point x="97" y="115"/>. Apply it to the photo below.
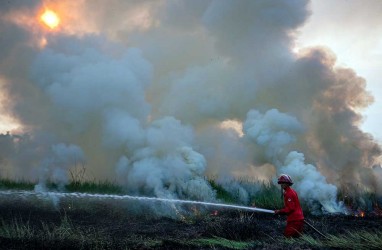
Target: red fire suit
<point x="295" y="217"/>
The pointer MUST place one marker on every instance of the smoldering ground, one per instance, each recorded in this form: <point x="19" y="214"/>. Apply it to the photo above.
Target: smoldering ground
<point x="139" y="91"/>
<point x="94" y="223"/>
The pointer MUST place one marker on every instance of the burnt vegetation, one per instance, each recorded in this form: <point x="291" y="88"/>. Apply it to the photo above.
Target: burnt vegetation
<point x="29" y="222"/>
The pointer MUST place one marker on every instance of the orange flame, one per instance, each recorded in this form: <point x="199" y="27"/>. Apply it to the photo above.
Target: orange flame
<point x="359" y="213"/>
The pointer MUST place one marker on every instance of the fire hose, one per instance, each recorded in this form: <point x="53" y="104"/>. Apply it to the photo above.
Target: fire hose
<point x="312" y="227"/>
<point x="307" y="223"/>
<point x="254" y="209"/>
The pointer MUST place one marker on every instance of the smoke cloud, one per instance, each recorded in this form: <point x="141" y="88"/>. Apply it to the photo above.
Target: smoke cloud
<point x="62" y="157"/>
<point x="155" y="95"/>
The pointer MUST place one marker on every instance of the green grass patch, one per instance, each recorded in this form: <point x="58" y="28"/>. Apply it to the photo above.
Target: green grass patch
<point x="101" y="187"/>
<point x="16" y="184"/>
<point x="221" y="193"/>
<point x="268" y="196"/>
<point x="351" y="240"/>
<point x="220" y="242"/>
<point x="357" y="240"/>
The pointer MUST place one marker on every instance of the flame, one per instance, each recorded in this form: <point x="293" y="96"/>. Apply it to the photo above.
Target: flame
<point x="359" y="213"/>
<point x="50" y="19"/>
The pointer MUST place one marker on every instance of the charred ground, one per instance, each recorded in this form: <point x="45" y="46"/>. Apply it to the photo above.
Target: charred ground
<point x="102" y="224"/>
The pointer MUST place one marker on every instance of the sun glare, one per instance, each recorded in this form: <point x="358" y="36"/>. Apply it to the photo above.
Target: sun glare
<point x="50" y="19"/>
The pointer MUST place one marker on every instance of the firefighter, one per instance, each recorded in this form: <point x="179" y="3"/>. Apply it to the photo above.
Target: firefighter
<point x="292" y="208"/>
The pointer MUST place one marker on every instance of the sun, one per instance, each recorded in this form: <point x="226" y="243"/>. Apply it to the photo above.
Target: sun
<point x="50" y="19"/>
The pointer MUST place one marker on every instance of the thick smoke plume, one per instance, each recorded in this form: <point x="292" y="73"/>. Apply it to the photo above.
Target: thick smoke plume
<point x="158" y="94"/>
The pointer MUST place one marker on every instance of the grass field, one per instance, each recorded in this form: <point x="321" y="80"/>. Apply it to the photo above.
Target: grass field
<point x="34" y="222"/>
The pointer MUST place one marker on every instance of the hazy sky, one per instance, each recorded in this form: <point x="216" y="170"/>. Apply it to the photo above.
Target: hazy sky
<point x="353" y="30"/>
<point x="350" y="28"/>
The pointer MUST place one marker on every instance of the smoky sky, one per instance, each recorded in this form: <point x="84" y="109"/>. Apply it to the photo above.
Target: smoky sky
<point x="137" y="91"/>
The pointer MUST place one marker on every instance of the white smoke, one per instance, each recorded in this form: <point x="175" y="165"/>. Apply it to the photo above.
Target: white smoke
<point x="89" y="86"/>
<point x="55" y="167"/>
<point x="87" y="82"/>
<point x="310" y="184"/>
<point x="274" y="131"/>
<point x="167" y="166"/>
<point x="142" y="88"/>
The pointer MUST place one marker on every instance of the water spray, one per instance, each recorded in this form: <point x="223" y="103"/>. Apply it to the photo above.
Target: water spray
<point x="140" y="198"/>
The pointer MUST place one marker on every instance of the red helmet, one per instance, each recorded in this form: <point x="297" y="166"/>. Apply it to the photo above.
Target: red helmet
<point x="284" y="178"/>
